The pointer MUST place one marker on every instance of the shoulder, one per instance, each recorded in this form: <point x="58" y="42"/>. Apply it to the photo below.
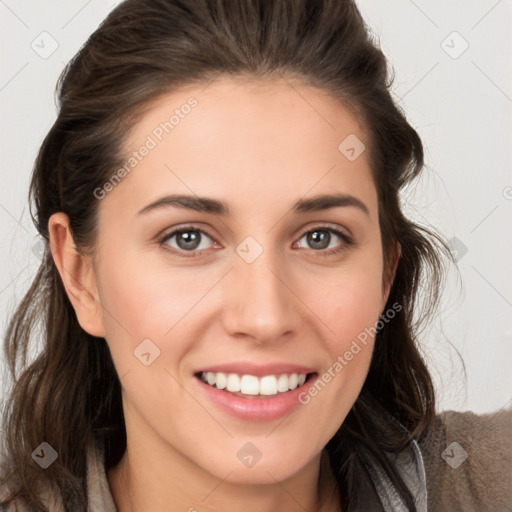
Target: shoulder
<point x="20" y="504"/>
<point x="98" y="492"/>
<point x="468" y="461"/>
<point x="7" y="504"/>
<point x="12" y="501"/>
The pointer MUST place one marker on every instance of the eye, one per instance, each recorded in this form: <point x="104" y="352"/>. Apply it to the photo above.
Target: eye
<point x="187" y="239"/>
<point x="190" y="241"/>
<point x="321" y="238"/>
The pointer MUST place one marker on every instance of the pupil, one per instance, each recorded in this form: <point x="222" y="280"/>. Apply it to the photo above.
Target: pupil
<point x="319" y="239"/>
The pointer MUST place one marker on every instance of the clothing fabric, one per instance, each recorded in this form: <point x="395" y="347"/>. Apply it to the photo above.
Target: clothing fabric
<point x="463" y="464"/>
<point x="479" y="480"/>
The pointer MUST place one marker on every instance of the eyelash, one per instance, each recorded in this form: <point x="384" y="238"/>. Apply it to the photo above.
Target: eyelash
<point x="348" y="241"/>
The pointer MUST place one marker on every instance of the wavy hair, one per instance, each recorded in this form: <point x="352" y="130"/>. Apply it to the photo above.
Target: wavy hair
<point x="70" y="392"/>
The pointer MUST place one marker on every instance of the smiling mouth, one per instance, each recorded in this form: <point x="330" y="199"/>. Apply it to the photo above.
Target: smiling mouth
<point x="250" y="386"/>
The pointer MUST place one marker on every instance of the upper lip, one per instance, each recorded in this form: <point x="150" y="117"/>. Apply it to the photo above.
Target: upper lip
<point x="258" y="370"/>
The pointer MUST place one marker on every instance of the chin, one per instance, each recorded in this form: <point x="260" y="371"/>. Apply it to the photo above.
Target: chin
<point x="267" y="464"/>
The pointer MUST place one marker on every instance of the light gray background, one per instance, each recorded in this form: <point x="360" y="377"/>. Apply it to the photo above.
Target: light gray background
<point x="460" y="103"/>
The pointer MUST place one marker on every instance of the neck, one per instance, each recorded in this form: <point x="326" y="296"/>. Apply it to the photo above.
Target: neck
<point x="139" y="483"/>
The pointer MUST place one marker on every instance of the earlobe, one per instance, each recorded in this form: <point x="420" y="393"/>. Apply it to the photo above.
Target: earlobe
<point x="77" y="275"/>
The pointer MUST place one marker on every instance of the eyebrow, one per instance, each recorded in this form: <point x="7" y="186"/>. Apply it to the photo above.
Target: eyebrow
<point x="216" y="207"/>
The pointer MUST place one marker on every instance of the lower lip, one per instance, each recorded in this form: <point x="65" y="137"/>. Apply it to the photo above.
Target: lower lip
<point x="269" y="408"/>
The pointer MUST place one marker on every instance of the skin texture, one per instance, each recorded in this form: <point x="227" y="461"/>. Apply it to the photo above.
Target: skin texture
<point x="258" y="146"/>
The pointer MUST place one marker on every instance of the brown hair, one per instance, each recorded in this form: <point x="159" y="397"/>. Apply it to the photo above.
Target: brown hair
<point x="70" y="392"/>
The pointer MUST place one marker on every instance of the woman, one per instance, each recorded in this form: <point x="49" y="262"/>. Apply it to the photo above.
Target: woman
<point x="229" y="283"/>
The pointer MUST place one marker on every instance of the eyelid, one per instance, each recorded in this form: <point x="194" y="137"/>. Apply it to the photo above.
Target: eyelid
<point x="312" y="226"/>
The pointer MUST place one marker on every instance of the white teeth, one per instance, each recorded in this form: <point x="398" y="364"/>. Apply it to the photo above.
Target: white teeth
<point x="268" y="385"/>
<point x="251" y="385"/>
<point x="222" y="380"/>
<point x="282" y="383"/>
<point x="233" y="383"/>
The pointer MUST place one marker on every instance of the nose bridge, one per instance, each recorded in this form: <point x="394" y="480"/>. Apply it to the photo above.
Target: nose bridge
<point x="262" y="305"/>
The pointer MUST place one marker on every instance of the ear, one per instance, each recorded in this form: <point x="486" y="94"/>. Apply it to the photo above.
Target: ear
<point x="390" y="274"/>
<point x="77" y="274"/>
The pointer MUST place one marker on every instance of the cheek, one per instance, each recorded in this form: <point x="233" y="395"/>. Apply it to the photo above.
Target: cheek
<point x="142" y="301"/>
<point x="351" y="311"/>
<point x="146" y="300"/>
<point x="146" y="316"/>
<point x="349" y="301"/>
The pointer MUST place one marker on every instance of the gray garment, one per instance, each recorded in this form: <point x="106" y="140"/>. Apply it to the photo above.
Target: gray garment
<point x="100" y="497"/>
<point x="411" y="467"/>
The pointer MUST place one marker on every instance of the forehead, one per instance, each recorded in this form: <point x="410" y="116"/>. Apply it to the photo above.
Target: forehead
<point x="259" y="139"/>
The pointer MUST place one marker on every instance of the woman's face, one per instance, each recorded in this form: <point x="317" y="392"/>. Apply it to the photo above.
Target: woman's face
<point x="266" y="278"/>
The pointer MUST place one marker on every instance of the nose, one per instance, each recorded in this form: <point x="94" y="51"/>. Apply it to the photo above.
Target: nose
<point x="260" y="304"/>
